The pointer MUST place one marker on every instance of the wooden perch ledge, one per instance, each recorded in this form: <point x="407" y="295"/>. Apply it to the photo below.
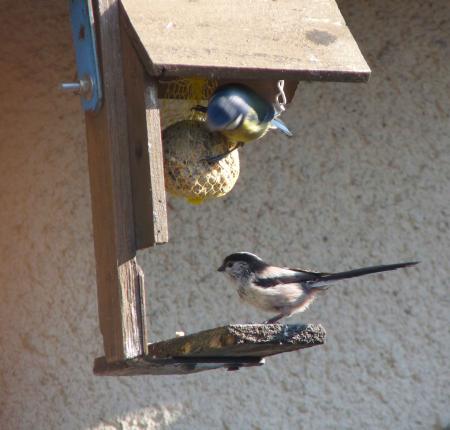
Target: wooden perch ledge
<point x="231" y="347"/>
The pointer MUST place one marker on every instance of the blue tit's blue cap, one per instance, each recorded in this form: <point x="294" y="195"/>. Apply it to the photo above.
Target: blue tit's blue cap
<point x="221" y="112"/>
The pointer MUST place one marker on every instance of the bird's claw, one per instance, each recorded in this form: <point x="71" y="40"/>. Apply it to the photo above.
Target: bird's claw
<point x="199" y="108"/>
<point x="214" y="159"/>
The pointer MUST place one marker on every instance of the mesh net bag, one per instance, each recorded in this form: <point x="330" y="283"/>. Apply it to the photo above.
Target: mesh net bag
<point x="187" y="142"/>
<point x="181" y="96"/>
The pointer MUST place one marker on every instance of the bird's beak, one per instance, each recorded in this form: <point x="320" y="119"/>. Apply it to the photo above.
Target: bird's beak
<point x="221" y="268"/>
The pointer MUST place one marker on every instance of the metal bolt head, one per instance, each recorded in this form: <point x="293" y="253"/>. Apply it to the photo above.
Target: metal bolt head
<point x="83" y="87"/>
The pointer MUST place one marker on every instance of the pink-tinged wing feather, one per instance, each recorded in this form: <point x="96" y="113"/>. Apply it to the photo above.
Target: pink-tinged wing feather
<point x="272" y="276"/>
<point x="308" y="272"/>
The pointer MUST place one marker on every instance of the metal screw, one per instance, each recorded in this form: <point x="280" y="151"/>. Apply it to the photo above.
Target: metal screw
<point x="83" y="87"/>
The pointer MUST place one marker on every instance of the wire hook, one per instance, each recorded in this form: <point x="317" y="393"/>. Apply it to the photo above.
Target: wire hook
<point x="280" y="106"/>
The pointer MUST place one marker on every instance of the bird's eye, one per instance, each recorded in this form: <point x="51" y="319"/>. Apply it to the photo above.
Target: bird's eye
<point x="229" y="264"/>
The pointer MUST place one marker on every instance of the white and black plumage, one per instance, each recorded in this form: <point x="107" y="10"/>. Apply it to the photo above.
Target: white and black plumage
<point x="281" y="290"/>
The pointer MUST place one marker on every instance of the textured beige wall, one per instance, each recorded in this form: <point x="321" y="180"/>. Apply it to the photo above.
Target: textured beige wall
<point x="365" y="181"/>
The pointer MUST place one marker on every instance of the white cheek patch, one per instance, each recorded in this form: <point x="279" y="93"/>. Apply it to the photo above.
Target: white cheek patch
<point x="235" y="123"/>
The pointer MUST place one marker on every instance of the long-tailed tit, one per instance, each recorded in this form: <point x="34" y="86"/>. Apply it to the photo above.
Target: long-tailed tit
<point x="281" y="290"/>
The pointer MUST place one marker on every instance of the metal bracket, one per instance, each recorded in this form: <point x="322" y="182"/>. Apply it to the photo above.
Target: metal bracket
<point x="89" y="85"/>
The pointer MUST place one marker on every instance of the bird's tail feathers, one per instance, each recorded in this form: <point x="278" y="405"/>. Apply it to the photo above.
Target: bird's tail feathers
<point x="280" y="125"/>
<point x="326" y="279"/>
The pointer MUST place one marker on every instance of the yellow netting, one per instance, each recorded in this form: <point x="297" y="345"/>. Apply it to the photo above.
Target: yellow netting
<point x="181" y="95"/>
<point x="187" y="143"/>
<point x="186" y="174"/>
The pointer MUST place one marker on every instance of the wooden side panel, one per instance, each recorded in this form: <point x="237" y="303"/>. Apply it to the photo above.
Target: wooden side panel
<point x="119" y="280"/>
<point x="155" y="151"/>
<point x="145" y="148"/>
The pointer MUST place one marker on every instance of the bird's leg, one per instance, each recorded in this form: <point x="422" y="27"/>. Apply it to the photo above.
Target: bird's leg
<point x="200" y="108"/>
<point x="274" y="319"/>
<point x="216" y="158"/>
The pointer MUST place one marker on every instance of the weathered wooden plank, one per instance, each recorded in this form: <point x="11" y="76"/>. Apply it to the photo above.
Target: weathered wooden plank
<point x="240" y="340"/>
<point x="120" y="284"/>
<point x="231" y="347"/>
<point x="292" y="39"/>
<point x="179" y="366"/>
<point x="157" y="186"/>
<point x="145" y="147"/>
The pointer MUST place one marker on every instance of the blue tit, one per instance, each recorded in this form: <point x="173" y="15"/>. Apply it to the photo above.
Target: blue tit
<point x="241" y="115"/>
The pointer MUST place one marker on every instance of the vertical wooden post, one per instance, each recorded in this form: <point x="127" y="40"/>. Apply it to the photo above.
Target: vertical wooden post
<point x="146" y="154"/>
<point x="115" y="170"/>
<point x="153" y="121"/>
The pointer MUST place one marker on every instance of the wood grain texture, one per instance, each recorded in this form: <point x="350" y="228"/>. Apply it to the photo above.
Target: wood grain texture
<point x="231" y="347"/>
<point x="145" y="148"/>
<point x="155" y="151"/>
<point x="169" y="366"/>
<point x="241" y="340"/>
<point x="290" y="39"/>
<point x="119" y="279"/>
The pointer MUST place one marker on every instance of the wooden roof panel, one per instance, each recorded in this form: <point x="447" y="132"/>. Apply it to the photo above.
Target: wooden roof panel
<point x="298" y="39"/>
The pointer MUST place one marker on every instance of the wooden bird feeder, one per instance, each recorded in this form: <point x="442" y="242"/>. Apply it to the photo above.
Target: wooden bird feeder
<point x="140" y="43"/>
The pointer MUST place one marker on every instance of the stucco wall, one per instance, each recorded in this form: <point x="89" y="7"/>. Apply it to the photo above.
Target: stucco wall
<point x="365" y="181"/>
